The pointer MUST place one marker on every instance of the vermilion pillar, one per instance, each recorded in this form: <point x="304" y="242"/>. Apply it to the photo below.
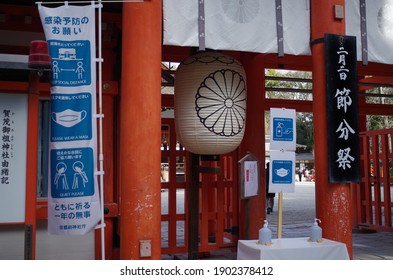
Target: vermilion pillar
<point x="333" y="201"/>
<point x="140" y="129"/>
<point x="252" y="211"/>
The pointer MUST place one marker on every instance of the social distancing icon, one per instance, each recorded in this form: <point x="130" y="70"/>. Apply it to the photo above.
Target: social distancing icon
<point x="70" y="63"/>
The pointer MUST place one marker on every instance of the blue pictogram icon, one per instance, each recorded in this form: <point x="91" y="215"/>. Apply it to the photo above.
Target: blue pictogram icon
<point x="72" y="172"/>
<point x="282" y="172"/>
<point x="71" y="117"/>
<point x="70" y="63"/>
<point x="283" y="129"/>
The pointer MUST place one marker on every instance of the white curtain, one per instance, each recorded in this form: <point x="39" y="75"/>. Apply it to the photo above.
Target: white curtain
<point x="239" y="25"/>
<point x="379" y="21"/>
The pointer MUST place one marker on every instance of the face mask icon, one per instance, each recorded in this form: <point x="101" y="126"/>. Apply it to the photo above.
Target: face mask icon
<point x="282" y="172"/>
<point x="68" y="118"/>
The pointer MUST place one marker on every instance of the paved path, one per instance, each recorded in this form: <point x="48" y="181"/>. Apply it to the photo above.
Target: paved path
<point x="298" y="216"/>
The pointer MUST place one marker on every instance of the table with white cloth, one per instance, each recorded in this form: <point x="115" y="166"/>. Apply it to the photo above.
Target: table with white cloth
<point x="292" y="249"/>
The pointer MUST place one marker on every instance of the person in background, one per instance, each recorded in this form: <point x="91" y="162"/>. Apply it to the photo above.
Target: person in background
<point x="269" y="196"/>
<point x="300" y="173"/>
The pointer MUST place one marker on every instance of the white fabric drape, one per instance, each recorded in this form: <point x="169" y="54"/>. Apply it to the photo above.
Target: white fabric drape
<point x="239" y="25"/>
<point x="379" y="21"/>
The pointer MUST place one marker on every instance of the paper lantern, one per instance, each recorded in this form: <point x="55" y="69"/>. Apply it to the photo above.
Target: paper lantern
<point x="210" y="103"/>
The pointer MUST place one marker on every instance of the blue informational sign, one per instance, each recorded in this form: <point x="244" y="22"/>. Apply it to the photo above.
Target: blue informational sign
<point x="282" y="150"/>
<point x="71" y="117"/>
<point x="282" y="129"/>
<point x="71" y="173"/>
<point x="282" y="171"/>
<point x="70" y="63"/>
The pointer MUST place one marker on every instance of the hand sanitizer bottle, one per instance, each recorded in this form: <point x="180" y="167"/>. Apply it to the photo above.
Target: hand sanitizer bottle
<point x="265" y="234"/>
<point x="316" y="232"/>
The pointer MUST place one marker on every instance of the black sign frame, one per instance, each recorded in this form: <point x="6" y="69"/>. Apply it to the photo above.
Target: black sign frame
<point x="342" y="108"/>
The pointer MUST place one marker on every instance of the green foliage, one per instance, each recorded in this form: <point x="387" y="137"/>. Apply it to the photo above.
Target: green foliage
<point x="294" y="85"/>
<point x="376" y="122"/>
<point x="305" y="131"/>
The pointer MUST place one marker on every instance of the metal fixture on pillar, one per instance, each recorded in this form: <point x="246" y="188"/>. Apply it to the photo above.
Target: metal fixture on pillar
<point x="210" y="103"/>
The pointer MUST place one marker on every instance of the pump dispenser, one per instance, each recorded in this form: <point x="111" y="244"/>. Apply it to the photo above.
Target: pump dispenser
<point x="316" y="232"/>
<point x="265" y="235"/>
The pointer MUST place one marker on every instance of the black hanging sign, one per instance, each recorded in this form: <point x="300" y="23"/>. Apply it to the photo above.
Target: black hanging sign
<point x="342" y="108"/>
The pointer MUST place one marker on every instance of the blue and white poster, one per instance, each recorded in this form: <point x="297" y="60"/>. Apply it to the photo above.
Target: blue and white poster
<point x="73" y="196"/>
<point x="282" y="171"/>
<point x="283" y="129"/>
<point x="282" y="150"/>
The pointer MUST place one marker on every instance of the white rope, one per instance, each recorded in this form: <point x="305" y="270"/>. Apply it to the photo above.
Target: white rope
<point x="87" y="2"/>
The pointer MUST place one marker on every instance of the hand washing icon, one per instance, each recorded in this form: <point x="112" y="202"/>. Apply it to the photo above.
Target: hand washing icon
<point x="282" y="172"/>
<point x="68" y="118"/>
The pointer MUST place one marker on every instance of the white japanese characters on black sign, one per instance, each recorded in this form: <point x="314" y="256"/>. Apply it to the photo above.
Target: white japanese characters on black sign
<point x="342" y="108"/>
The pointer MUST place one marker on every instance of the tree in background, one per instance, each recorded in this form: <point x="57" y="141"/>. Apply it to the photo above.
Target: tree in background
<point x="383" y="95"/>
<point x="305" y="131"/>
<point x="292" y="85"/>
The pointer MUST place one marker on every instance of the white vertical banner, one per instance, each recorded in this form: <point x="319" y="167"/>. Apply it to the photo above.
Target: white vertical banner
<point x="73" y="196"/>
